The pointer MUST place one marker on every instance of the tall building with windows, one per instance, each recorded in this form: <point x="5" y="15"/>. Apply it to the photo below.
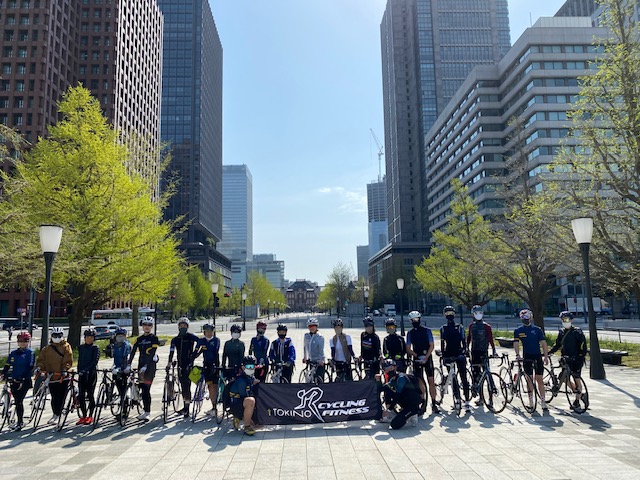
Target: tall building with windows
<point x="237" y="213"/>
<point x="191" y="124"/>
<point x="377" y="214"/>
<point x="577" y="8"/>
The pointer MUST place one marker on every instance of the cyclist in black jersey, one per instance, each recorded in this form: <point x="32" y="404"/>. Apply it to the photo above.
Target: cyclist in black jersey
<point x="394" y="346"/>
<point x="233" y="353"/>
<point x="183" y="345"/>
<point x="370" y="348"/>
<point x="453" y="347"/>
<point x="146" y="344"/>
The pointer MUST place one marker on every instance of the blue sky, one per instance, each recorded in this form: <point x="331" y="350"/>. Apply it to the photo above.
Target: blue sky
<point x="302" y="88"/>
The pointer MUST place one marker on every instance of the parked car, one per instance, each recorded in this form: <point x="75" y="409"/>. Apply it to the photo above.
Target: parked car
<point x="105" y="332"/>
<point x="376" y="313"/>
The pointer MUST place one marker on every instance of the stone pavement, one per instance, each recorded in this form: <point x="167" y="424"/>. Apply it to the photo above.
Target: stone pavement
<point x="602" y="443"/>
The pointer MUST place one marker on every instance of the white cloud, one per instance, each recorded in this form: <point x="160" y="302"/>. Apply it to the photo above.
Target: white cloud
<point x="351" y="201"/>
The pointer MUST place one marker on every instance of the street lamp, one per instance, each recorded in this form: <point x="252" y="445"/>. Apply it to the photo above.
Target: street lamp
<point x="214" y="290"/>
<point x="244" y="321"/>
<point x="366" y="299"/>
<point x="400" y="285"/>
<point x="337" y="307"/>
<point x="583" y="231"/>
<point x="268" y="308"/>
<point x="50" y="236"/>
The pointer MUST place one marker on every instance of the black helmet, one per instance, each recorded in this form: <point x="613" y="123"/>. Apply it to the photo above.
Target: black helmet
<point x="281" y="328"/>
<point x="337" y="323"/>
<point x="236" y="329"/>
<point x="208" y="326"/>
<point x="249" y="360"/>
<point x="368" y="322"/>
<point x="388" y="362"/>
<point x="390" y="322"/>
<point x="121" y="331"/>
<point x="448" y="308"/>
<point x="89" y="332"/>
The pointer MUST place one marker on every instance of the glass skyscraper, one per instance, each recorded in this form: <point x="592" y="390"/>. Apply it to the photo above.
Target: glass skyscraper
<point x="237" y="213"/>
<point x="191" y="124"/>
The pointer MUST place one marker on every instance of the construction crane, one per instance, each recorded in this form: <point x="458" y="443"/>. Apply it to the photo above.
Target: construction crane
<point x="380" y="153"/>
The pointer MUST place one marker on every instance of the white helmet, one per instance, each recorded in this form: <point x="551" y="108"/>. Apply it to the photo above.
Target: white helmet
<point x="184" y="320"/>
<point x="312" y="321"/>
<point x="147" y="321"/>
<point x="57" y="331"/>
<point x="414" y="314"/>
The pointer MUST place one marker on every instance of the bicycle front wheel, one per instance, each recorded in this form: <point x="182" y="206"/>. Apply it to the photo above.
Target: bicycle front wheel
<point x="178" y="401"/>
<point x="220" y="406"/>
<point x="125" y="406"/>
<point x="38" y="405"/>
<point x="457" y="400"/>
<point x="100" y="403"/>
<point x="5" y="408"/>
<point x="527" y="392"/>
<point x="198" y="398"/>
<point x="493" y="392"/>
<point x="67" y="405"/>
<point x="438" y="376"/>
<point x="505" y="375"/>
<point x="550" y="384"/>
<point x="578" y="398"/>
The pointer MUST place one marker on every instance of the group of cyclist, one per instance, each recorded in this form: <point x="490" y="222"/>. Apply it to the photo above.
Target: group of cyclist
<point x="386" y="361"/>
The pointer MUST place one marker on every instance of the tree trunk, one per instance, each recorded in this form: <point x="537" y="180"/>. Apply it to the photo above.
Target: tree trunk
<point x="75" y="322"/>
<point x="135" y="323"/>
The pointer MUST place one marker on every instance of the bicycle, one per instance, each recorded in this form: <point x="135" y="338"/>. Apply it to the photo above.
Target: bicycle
<point x="573" y="385"/>
<point x="201" y="393"/>
<point x="450" y="380"/>
<point x="39" y="399"/>
<point x="416" y="365"/>
<point x="108" y="396"/>
<point x="70" y="402"/>
<point x="276" y="373"/>
<point x="130" y="398"/>
<point x="340" y="372"/>
<point x="367" y="369"/>
<point x="519" y="383"/>
<point x="490" y="387"/>
<point x="222" y="402"/>
<point x="7" y="406"/>
<point x="171" y="393"/>
<point x="309" y="374"/>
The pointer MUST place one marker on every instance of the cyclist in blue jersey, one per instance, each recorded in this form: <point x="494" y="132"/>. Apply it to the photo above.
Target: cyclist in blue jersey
<point x="209" y="347"/>
<point x="532" y="338"/>
<point x="18" y="371"/>
<point x="183" y="345"/>
<point x="420" y="346"/>
<point x="88" y="358"/>
<point x="454" y="348"/>
<point x="241" y="395"/>
<point x="121" y="352"/>
<point x="282" y="351"/>
<point x="399" y="389"/>
<point x="259" y="348"/>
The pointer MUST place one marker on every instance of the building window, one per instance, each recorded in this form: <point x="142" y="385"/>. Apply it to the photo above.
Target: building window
<point x="19" y="85"/>
<point x="21" y="68"/>
<point x="17" y="119"/>
<point x="6" y="69"/>
<point x="22" y="52"/>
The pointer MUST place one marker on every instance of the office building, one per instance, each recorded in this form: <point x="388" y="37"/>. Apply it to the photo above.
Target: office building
<point x="192" y="125"/>
<point x="362" y="255"/>
<point x="577" y="8"/>
<point x="377" y="215"/>
<point x="237" y="213"/>
<point x="269" y="267"/>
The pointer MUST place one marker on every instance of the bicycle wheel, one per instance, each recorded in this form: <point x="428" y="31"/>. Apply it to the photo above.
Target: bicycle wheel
<point x="441" y="389"/>
<point x="114" y="400"/>
<point x="550" y="384"/>
<point x="5" y="408"/>
<point x="39" y="403"/>
<point x="578" y="398"/>
<point x="198" y="398"/>
<point x="125" y="405"/>
<point x="505" y="375"/>
<point x="493" y="392"/>
<point x="356" y="374"/>
<point x="136" y="398"/>
<point x="67" y="405"/>
<point x="177" y="400"/>
<point x="167" y="397"/>
<point x="304" y="376"/>
<point x="101" y="401"/>
<point x="220" y="407"/>
<point x="438" y="376"/>
<point x="527" y="392"/>
<point x="457" y="400"/>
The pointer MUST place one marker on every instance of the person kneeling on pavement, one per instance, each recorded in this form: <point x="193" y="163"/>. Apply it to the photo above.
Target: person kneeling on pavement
<point x="399" y="389"/>
<point x="241" y="395"/>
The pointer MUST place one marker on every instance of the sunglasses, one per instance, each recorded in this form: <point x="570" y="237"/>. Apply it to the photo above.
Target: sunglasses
<point x="57" y="335"/>
<point x="250" y="366"/>
<point x="23" y="341"/>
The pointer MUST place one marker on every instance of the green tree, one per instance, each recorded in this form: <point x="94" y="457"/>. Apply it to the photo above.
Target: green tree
<point x="337" y="284"/>
<point x="601" y="175"/>
<point x="462" y="253"/>
<point x="201" y="289"/>
<point x="114" y="245"/>
<point x="182" y="297"/>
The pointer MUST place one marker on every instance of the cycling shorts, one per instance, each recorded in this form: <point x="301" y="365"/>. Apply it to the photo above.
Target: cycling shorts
<point x="533" y="362"/>
<point x="211" y="374"/>
<point x="419" y="368"/>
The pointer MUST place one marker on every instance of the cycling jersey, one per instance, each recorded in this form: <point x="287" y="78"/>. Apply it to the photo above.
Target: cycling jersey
<point x="259" y="347"/>
<point x="369" y="346"/>
<point x="147" y="346"/>
<point x="571" y="343"/>
<point x="480" y="336"/>
<point x="233" y="353"/>
<point x="282" y="351"/>
<point x="88" y="357"/>
<point x="452" y="337"/>
<point x="184" y="346"/>
<point x="394" y="346"/>
<point x="210" y="350"/>
<point x="338" y="352"/>
<point x="530" y="337"/>
<point x="21" y="362"/>
<point x="418" y="339"/>
<point x="241" y="388"/>
<point x="314" y="347"/>
<point x="121" y="352"/>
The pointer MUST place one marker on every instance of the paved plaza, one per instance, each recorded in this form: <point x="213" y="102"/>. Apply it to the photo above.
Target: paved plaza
<point x="602" y="443"/>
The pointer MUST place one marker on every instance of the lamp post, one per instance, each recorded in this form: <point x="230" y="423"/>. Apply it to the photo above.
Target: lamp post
<point x="244" y="321"/>
<point x="400" y="285"/>
<point x="268" y="308"/>
<point x="337" y="307"/>
<point x="214" y="290"/>
<point x="50" y="236"/>
<point x="366" y="299"/>
<point x="583" y="231"/>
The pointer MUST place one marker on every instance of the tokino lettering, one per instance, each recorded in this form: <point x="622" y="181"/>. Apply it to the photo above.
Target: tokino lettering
<point x="336" y="402"/>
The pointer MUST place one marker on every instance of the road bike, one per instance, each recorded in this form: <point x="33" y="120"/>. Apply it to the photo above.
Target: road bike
<point x="222" y="402"/>
<point x="171" y="393"/>
<point x="199" y="396"/>
<point x="7" y="406"/>
<point x="519" y="383"/>
<point x="131" y="398"/>
<point x="490" y="387"/>
<point x="569" y="383"/>
<point x="310" y="374"/>
<point x="276" y="375"/>
<point x="450" y="380"/>
<point x="39" y="399"/>
<point x="344" y="372"/>
<point x="367" y="369"/>
<point x="108" y="396"/>
<point x="70" y="402"/>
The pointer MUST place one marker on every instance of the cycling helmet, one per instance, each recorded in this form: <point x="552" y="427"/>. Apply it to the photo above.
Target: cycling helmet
<point x="184" y="320"/>
<point x="526" y="314"/>
<point x="566" y="316"/>
<point x="477" y="309"/>
<point x="147" y="321"/>
<point x="121" y="331"/>
<point x="235" y="329"/>
<point x="89" y="332"/>
<point x="448" y="308"/>
<point x="281" y="328"/>
<point x="390" y="322"/>
<point x="260" y="325"/>
<point x="414" y="314"/>
<point x="24" y="337"/>
<point x="207" y="326"/>
<point x="337" y="323"/>
<point x="312" y="321"/>
<point x="249" y="360"/>
<point x="388" y="363"/>
<point x="57" y="331"/>
<point x="368" y="322"/>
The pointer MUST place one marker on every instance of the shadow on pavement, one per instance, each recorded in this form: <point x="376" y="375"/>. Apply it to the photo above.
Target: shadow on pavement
<point x="636" y="400"/>
<point x="451" y="423"/>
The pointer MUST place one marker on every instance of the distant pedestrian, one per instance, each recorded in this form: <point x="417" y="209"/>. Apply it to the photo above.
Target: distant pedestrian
<point x="10" y="332"/>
